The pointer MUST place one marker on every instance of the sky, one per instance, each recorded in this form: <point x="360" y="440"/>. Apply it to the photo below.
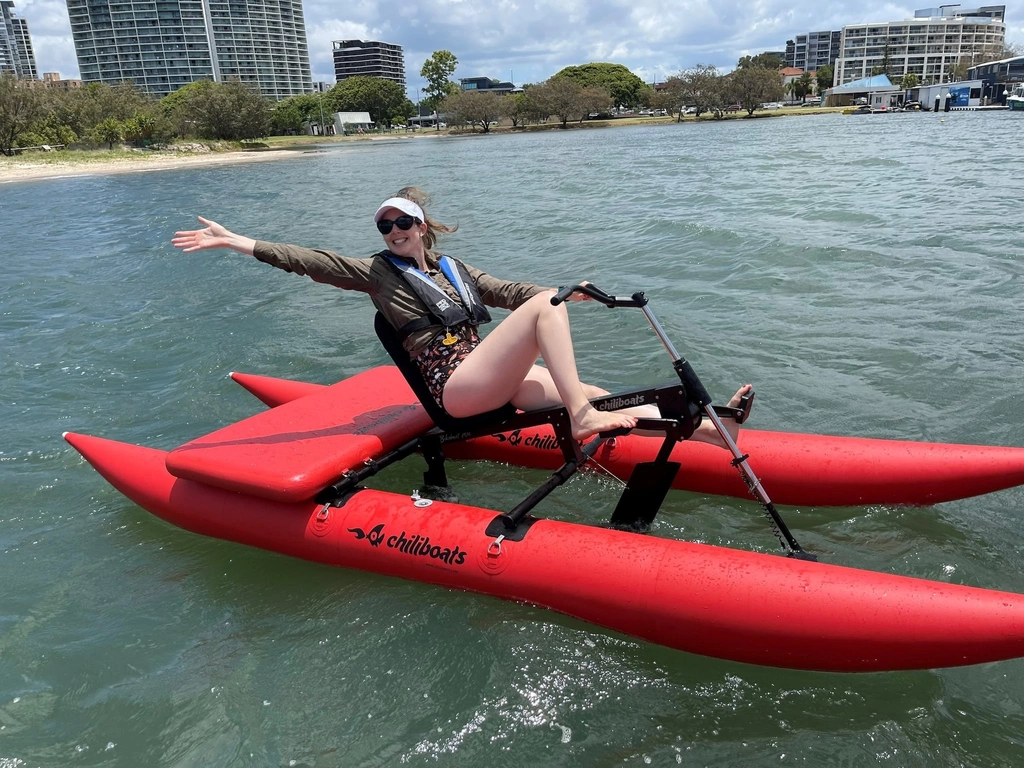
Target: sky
<point x="527" y="41"/>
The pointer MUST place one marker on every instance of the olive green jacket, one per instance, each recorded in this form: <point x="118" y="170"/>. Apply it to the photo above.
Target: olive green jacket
<point x="388" y="290"/>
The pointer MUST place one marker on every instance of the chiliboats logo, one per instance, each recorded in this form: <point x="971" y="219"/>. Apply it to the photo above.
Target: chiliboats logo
<point x="617" y="403"/>
<point x="515" y="439"/>
<point x="413" y="545"/>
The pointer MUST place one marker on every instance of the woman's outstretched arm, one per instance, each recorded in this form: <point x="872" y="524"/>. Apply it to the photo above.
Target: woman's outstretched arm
<point x="213" y="235"/>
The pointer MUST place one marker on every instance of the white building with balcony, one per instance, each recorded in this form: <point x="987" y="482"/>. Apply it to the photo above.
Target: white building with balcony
<point x="16" y="54"/>
<point x="161" y="45"/>
<point x="929" y="45"/>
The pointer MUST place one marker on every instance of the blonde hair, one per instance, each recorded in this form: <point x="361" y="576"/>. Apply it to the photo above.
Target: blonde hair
<point x="434" y="228"/>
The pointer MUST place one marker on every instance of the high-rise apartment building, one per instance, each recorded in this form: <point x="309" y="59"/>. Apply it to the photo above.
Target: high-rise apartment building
<point x="368" y="58"/>
<point x="929" y="45"/>
<point x="16" y="54"/>
<point x="162" y="45"/>
<point x="814" y="50"/>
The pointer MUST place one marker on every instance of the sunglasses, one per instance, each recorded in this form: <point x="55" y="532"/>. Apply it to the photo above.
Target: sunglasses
<point x="404" y="223"/>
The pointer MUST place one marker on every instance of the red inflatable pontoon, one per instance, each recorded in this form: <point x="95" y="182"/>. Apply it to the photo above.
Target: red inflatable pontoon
<point x="253" y="482"/>
<point x="797" y="469"/>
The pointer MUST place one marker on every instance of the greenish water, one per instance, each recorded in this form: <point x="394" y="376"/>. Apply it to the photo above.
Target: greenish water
<point x="865" y="273"/>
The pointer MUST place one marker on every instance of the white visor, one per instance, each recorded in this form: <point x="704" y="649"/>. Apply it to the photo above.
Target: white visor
<point x="405" y="206"/>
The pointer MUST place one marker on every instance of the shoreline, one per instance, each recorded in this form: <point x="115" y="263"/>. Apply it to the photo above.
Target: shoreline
<point x="21" y="169"/>
<point x="13" y="172"/>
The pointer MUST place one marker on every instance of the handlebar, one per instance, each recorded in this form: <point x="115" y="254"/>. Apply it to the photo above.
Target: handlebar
<point x="636" y="300"/>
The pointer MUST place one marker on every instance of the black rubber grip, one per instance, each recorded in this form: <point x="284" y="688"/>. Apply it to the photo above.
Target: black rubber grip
<point x="563" y="293"/>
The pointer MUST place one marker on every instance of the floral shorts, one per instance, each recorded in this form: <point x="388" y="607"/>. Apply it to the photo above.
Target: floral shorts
<point x="438" y="362"/>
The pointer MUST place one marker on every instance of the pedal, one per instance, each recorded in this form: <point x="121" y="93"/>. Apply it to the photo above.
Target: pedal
<point x="741" y="413"/>
<point x="618" y="432"/>
<point x="746" y="403"/>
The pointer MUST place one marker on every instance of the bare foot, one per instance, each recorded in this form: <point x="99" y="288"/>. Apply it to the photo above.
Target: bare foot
<point x="589" y="421"/>
<point x="706" y="432"/>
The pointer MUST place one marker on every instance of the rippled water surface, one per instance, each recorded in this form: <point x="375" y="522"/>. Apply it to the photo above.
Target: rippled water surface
<point x="865" y="272"/>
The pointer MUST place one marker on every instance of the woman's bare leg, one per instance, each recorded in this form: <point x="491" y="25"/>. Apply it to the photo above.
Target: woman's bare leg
<point x="496" y="371"/>
<point x="538" y="391"/>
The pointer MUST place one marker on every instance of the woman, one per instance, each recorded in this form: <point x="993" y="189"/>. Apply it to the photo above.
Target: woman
<point x="436" y="304"/>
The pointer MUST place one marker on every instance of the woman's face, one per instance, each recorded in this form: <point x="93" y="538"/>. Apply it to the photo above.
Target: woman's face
<point x="403" y="242"/>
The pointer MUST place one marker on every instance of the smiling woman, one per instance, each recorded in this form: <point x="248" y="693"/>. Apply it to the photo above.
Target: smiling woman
<point x="436" y="303"/>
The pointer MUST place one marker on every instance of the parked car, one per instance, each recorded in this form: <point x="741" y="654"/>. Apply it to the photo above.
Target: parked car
<point x="733" y="108"/>
<point x="690" y="111"/>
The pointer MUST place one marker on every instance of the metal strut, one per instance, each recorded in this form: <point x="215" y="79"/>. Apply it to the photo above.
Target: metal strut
<point x="696" y="390"/>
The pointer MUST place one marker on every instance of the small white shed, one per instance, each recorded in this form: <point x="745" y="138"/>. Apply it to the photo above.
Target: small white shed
<point x="346" y="122"/>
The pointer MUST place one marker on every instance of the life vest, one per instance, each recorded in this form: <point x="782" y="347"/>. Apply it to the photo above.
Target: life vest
<point x="443" y="311"/>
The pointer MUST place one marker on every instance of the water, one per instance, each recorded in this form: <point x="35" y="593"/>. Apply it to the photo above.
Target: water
<point x="864" y="272"/>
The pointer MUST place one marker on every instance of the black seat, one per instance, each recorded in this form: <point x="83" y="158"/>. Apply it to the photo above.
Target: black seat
<point x="393" y="344"/>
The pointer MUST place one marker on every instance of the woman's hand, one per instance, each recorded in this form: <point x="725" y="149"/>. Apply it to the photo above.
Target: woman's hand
<point x="213" y="235"/>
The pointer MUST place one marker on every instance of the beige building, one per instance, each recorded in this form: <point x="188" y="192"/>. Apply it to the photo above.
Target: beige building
<point x="53" y="80"/>
<point x="928" y="45"/>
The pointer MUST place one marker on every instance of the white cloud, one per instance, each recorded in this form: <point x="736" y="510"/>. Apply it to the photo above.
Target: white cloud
<point x="530" y="40"/>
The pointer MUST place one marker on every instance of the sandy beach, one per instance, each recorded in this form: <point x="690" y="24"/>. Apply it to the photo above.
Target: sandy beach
<point x="24" y="169"/>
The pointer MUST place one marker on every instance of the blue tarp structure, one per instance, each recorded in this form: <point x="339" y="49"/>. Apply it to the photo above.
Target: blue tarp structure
<point x="864" y="84"/>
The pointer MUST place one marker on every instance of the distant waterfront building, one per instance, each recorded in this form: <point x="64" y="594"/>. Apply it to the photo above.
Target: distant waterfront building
<point x="162" y="45"/>
<point x="486" y="85"/>
<point x="814" y="50"/>
<point x="368" y="58"/>
<point x="53" y="80"/>
<point x="928" y="45"/>
<point x="998" y="78"/>
<point x="1003" y="71"/>
<point x="16" y="54"/>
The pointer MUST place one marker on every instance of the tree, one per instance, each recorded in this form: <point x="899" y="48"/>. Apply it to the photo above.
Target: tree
<point x="646" y="96"/>
<point x="663" y="99"/>
<point x="560" y="96"/>
<point x="910" y="80"/>
<point x="701" y="87"/>
<point x="178" y="107"/>
<point x="883" y="69"/>
<point x="437" y="71"/>
<point x="227" y="111"/>
<point x="516" y="107"/>
<point x="139" y="128"/>
<point x="751" y="87"/>
<point x="595" y="100"/>
<point x="383" y="99"/>
<point x="807" y="84"/>
<point x="761" y="61"/>
<point x="108" y="132"/>
<point x="673" y="95"/>
<point x="824" y="77"/>
<point x="958" y="71"/>
<point x="51" y="130"/>
<point x="626" y="89"/>
<point x="19" y="108"/>
<point x="800" y="86"/>
<point x="473" y="107"/>
<point x="288" y="115"/>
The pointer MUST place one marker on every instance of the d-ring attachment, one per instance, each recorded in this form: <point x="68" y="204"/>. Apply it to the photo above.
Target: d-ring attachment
<point x="494" y="548"/>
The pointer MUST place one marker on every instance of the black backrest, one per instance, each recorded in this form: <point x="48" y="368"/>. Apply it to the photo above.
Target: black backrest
<point x="393" y="344"/>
